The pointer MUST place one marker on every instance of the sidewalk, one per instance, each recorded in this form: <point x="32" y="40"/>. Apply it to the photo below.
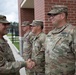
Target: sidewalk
<point x="16" y="54"/>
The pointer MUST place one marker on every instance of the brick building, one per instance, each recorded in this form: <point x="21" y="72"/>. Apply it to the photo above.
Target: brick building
<point x="37" y="9"/>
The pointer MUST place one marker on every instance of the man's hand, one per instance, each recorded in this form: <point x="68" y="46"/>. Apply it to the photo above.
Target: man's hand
<point x="30" y="64"/>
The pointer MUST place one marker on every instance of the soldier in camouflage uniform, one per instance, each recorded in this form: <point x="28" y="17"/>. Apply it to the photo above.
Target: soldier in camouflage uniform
<point x="8" y="65"/>
<point x="27" y="42"/>
<point x="60" y="44"/>
<point x="38" y="55"/>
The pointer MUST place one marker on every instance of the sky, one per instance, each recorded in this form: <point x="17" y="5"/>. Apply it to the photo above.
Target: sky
<point x="9" y="8"/>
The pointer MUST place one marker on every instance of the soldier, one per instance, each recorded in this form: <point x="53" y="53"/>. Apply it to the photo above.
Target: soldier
<point x="60" y="44"/>
<point x="8" y="65"/>
<point x="37" y="48"/>
<point x="27" y="42"/>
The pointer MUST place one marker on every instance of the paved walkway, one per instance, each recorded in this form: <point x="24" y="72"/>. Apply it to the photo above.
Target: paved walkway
<point x="16" y="54"/>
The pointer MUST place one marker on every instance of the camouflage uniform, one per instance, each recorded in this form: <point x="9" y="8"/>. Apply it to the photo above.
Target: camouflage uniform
<point x="60" y="47"/>
<point x="60" y="51"/>
<point x="27" y="48"/>
<point x="27" y="41"/>
<point x="8" y="65"/>
<point x="27" y="44"/>
<point x="38" y="54"/>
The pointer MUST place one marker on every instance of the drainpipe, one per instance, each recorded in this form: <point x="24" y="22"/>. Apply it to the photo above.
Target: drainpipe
<point x="20" y="40"/>
<point x="21" y="45"/>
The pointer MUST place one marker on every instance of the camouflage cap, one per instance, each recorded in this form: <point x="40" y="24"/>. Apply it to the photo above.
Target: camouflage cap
<point x="3" y="19"/>
<point x="57" y="9"/>
<point x="25" y="23"/>
<point x="36" y="23"/>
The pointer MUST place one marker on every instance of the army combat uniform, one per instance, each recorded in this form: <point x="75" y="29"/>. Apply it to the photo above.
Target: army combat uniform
<point x="27" y="48"/>
<point x="38" y="54"/>
<point x="60" y="53"/>
<point x="27" y="45"/>
<point x="27" y="40"/>
<point x="8" y="65"/>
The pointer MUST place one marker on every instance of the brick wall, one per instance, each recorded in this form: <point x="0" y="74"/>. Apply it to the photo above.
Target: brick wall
<point x="71" y="12"/>
<point x="41" y="7"/>
<point x="39" y="10"/>
<point x="27" y="14"/>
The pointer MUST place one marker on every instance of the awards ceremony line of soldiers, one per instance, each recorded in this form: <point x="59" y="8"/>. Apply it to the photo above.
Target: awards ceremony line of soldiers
<point x="44" y="54"/>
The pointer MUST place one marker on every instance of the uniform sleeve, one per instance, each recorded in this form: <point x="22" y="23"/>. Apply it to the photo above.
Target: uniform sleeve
<point x="27" y="46"/>
<point x="9" y="67"/>
<point x="43" y="43"/>
<point x="74" y="39"/>
<point x="40" y="55"/>
<point x="75" y="48"/>
<point x="26" y="51"/>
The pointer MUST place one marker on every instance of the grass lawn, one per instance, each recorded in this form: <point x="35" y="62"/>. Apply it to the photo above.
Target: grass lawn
<point x="15" y="40"/>
<point x="16" y="44"/>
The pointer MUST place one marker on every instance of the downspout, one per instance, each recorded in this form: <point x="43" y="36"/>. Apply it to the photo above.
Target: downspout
<point x="21" y="45"/>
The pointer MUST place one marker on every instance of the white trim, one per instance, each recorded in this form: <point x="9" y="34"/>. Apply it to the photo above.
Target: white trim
<point x="23" y="3"/>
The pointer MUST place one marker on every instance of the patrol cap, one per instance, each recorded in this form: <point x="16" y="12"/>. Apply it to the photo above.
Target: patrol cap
<point x="25" y="23"/>
<point x="57" y="9"/>
<point x="37" y="23"/>
<point x="3" y="19"/>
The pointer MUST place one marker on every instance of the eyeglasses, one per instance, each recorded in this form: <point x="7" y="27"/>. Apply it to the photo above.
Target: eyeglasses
<point x="52" y="15"/>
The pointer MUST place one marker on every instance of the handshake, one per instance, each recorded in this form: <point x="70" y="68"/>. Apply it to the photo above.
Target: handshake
<point x="30" y="64"/>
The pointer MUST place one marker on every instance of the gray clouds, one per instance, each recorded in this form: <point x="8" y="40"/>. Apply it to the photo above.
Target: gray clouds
<point x="10" y="9"/>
